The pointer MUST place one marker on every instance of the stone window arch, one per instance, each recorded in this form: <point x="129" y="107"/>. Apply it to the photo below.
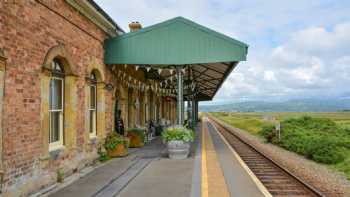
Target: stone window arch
<point x="95" y="102"/>
<point x="56" y="105"/>
<point x="58" y="98"/>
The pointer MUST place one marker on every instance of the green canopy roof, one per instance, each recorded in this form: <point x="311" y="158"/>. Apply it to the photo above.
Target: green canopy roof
<point x="209" y="55"/>
<point x="177" y="41"/>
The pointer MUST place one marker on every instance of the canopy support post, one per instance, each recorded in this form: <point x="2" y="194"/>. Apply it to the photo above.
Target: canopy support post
<point x="180" y="99"/>
<point x="193" y="116"/>
<point x="196" y="111"/>
<point x="189" y="113"/>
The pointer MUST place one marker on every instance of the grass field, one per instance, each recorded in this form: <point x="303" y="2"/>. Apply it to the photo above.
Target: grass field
<point x="253" y="123"/>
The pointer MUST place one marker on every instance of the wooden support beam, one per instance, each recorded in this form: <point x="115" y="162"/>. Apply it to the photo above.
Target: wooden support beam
<point x="220" y="72"/>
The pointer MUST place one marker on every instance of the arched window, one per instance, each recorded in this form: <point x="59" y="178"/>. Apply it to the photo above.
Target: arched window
<point x="93" y="105"/>
<point x="56" y="105"/>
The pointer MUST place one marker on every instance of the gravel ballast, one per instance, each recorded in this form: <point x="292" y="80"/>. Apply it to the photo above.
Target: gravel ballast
<point x="328" y="182"/>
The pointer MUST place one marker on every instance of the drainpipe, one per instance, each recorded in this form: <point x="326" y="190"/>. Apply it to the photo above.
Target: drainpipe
<point x="2" y="90"/>
<point x="180" y="104"/>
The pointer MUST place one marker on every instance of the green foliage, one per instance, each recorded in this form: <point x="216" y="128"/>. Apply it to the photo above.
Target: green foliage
<point x="344" y="166"/>
<point x="60" y="175"/>
<point x="319" y="139"/>
<point x="159" y="130"/>
<point x="137" y="131"/>
<point x="177" y="133"/>
<point x="103" y="156"/>
<point x="325" y="150"/>
<point x="113" y="139"/>
<point x="250" y="123"/>
<point x="321" y="136"/>
<point x="268" y="133"/>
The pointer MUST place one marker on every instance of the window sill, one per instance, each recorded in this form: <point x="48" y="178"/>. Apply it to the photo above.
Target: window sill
<point x="93" y="139"/>
<point x="55" y="152"/>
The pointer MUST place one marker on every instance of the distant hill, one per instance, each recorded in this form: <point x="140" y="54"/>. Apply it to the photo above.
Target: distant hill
<point x="303" y="105"/>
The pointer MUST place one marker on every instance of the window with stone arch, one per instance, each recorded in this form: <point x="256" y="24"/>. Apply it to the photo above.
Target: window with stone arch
<point x="93" y="105"/>
<point x="56" y="105"/>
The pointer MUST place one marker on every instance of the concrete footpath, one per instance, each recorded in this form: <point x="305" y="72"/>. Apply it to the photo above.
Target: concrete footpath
<point x="213" y="169"/>
<point x="145" y="172"/>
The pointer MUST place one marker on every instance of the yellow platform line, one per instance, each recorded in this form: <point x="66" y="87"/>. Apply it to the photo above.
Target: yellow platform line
<point x="204" y="165"/>
<point x="255" y="179"/>
<point x="213" y="181"/>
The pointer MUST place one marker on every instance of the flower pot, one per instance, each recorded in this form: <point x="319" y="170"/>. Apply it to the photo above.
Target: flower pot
<point x="178" y="149"/>
<point x="119" y="151"/>
<point x="135" y="141"/>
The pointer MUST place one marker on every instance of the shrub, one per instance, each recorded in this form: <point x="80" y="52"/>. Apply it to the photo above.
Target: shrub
<point x="318" y="139"/>
<point x="319" y="124"/>
<point x="268" y="132"/>
<point x="178" y="133"/>
<point x="326" y="151"/>
<point x="103" y="156"/>
<point x="113" y="139"/>
<point x="60" y="175"/>
<point x="159" y="130"/>
<point x="347" y="129"/>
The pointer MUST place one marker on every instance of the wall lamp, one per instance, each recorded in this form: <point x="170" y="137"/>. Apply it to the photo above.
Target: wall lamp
<point x="108" y="86"/>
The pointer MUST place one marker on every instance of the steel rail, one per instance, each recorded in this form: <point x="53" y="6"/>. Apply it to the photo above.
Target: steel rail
<point x="309" y="187"/>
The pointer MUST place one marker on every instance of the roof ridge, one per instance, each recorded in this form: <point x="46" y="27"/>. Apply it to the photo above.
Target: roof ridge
<point x="188" y="22"/>
<point x="208" y="30"/>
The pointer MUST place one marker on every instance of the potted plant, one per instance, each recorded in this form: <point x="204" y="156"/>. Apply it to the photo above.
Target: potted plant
<point x="116" y="145"/>
<point x="178" y="141"/>
<point x="136" y="137"/>
<point x="60" y="175"/>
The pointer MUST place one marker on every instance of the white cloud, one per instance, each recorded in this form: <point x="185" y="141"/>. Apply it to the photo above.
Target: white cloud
<point x="269" y="75"/>
<point x="297" y="48"/>
<point x="312" y="62"/>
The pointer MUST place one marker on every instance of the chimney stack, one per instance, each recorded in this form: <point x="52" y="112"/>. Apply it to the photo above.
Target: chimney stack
<point x="134" y="26"/>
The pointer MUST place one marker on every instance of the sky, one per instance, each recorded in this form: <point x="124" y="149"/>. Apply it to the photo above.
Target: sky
<point x="297" y="49"/>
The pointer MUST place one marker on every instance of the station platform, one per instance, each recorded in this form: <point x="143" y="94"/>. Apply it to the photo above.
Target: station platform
<point x="212" y="169"/>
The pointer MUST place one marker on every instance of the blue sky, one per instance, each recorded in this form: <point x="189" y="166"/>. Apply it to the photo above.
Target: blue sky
<point x="298" y="49"/>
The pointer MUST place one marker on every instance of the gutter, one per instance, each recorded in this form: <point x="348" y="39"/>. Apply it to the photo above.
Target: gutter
<point x="99" y="9"/>
<point x="96" y="15"/>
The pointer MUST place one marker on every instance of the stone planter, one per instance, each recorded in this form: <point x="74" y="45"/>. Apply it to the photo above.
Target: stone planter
<point x="119" y="151"/>
<point x="178" y="149"/>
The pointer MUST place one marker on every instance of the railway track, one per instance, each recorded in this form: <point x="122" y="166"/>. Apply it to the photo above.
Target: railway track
<point x="277" y="180"/>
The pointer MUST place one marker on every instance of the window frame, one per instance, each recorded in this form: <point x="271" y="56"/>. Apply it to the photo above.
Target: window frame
<point x="60" y="143"/>
<point x="93" y="83"/>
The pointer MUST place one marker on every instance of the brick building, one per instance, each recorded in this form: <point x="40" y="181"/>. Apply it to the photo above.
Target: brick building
<point x="66" y="68"/>
<point x="57" y="97"/>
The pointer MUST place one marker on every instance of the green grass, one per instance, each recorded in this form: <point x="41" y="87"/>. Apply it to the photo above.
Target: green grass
<point x="343" y="167"/>
<point x="249" y="122"/>
<point x="319" y="139"/>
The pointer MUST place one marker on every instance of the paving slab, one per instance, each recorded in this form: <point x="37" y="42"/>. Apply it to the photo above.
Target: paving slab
<point x="166" y="177"/>
<point x="149" y="172"/>
<point x="99" y="179"/>
<point x="163" y="177"/>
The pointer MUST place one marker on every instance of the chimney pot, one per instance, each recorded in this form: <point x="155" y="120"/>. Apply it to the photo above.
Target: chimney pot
<point x="134" y="26"/>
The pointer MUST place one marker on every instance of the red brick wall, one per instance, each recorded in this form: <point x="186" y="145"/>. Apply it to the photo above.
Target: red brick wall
<point x="27" y="31"/>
